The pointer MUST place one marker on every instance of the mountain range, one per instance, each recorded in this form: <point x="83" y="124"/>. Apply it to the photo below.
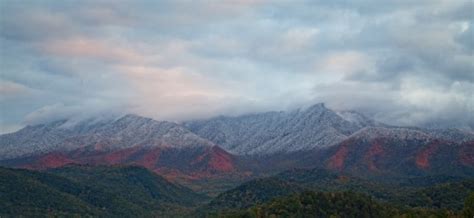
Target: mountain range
<point x="244" y="145"/>
<point x="308" y="161"/>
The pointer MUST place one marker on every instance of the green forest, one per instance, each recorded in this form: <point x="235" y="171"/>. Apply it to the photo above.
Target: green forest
<point x="129" y="191"/>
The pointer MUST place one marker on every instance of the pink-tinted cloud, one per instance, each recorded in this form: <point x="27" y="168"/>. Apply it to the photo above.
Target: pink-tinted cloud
<point x="175" y="94"/>
<point x="12" y="89"/>
<point x="344" y="63"/>
<point x="91" y="49"/>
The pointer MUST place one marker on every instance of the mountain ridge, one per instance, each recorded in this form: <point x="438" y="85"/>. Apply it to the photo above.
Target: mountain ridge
<point x="308" y="137"/>
<point x="273" y="132"/>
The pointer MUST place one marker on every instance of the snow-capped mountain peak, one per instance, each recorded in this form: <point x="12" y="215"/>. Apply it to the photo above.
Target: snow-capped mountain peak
<point x="126" y="131"/>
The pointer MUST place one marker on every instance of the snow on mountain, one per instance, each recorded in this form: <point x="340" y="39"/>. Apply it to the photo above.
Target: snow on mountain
<point x="399" y="133"/>
<point x="127" y="131"/>
<point x="273" y="132"/>
<point x="452" y="134"/>
<point x="399" y="151"/>
<point x="253" y="134"/>
<point x="413" y="134"/>
<point x="306" y="129"/>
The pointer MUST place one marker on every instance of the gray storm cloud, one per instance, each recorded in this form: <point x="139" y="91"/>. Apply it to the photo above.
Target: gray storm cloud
<point x="401" y="62"/>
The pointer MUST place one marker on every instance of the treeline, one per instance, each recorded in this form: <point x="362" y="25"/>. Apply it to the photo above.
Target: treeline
<point x="340" y="204"/>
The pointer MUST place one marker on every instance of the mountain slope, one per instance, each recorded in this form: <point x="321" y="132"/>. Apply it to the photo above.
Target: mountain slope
<point x="316" y="127"/>
<point x="111" y="134"/>
<point x="311" y="137"/>
<point x="163" y="147"/>
<point x="138" y="181"/>
<point x="94" y="191"/>
<point x="446" y="193"/>
<point x="188" y="163"/>
<point x="29" y="193"/>
<point x="251" y="193"/>
<point x="400" y="152"/>
<point x="273" y="132"/>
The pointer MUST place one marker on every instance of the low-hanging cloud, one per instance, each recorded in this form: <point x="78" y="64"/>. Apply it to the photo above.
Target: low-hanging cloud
<point x="402" y="62"/>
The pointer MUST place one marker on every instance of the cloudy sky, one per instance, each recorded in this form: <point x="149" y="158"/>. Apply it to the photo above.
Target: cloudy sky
<point x="403" y="62"/>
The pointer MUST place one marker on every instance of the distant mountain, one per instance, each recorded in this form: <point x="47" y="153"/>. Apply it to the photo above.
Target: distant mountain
<point x="159" y="146"/>
<point x="111" y="134"/>
<point x="256" y="143"/>
<point x="275" y="141"/>
<point x="91" y="191"/>
<point x="401" y="151"/>
<point x="193" y="162"/>
<point x="307" y="129"/>
<point x="273" y="132"/>
<point x="382" y="152"/>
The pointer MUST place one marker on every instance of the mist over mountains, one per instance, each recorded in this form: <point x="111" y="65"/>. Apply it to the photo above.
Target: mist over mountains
<point x="258" y="133"/>
<point x="315" y="136"/>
